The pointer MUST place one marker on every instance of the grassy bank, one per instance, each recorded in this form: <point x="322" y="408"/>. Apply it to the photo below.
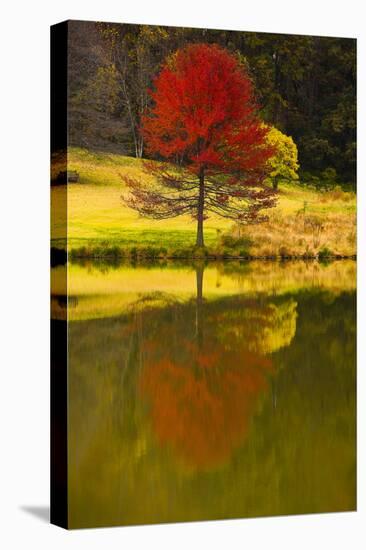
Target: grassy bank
<point x="305" y="223"/>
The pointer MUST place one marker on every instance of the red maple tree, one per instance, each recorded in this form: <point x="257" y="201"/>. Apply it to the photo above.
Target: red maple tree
<point x="211" y="144"/>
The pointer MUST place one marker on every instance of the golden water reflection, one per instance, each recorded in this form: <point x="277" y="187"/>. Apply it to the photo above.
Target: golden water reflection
<point x="210" y="395"/>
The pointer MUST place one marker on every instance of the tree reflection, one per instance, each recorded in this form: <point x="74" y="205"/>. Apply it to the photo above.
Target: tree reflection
<point x="265" y="326"/>
<point x="172" y="405"/>
<point x="204" y="389"/>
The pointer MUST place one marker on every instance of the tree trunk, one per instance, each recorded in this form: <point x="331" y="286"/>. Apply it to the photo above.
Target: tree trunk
<point x="139" y="145"/>
<point x="200" y="209"/>
<point x="199" y="303"/>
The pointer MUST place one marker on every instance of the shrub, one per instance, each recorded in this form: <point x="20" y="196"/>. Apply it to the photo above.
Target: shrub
<point x="227" y="252"/>
<point x="181" y="253"/>
<point x="329" y="176"/>
<point x="231" y="242"/>
<point x="115" y="252"/>
<point x="149" y="252"/>
<point x="228" y="241"/>
<point x="338" y="194"/>
<point x="133" y="253"/>
<point x="325" y="253"/>
<point x="284" y="252"/>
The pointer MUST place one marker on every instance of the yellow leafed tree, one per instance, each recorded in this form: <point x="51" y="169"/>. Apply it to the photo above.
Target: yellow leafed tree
<point x="284" y="163"/>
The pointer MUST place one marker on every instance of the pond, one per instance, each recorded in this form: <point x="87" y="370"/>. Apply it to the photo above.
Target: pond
<point x="213" y="391"/>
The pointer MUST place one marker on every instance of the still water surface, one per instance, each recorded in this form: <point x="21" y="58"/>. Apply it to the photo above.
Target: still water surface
<point x="207" y="392"/>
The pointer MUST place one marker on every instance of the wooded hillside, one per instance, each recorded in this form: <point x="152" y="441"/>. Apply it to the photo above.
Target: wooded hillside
<point x="306" y="87"/>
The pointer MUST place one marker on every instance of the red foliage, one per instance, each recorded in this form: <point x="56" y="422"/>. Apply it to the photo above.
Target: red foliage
<point x="204" y="122"/>
<point x="205" y="111"/>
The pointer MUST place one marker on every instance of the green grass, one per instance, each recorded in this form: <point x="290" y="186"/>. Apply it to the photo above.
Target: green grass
<point x="96" y="213"/>
<point x="97" y="217"/>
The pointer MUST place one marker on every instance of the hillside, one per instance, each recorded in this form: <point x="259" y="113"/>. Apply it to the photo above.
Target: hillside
<point x="305" y="222"/>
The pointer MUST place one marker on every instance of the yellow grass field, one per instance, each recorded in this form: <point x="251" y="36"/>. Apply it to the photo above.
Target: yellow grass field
<point x="304" y="222"/>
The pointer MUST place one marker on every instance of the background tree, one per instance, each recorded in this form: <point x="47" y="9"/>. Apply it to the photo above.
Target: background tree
<point x="132" y="52"/>
<point x="204" y="122"/>
<point x="283" y="164"/>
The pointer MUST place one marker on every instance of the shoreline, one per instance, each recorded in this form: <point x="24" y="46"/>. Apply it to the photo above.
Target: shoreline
<point x="60" y="256"/>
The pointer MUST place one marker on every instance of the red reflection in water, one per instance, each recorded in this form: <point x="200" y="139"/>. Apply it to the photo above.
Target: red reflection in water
<point x="201" y="408"/>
